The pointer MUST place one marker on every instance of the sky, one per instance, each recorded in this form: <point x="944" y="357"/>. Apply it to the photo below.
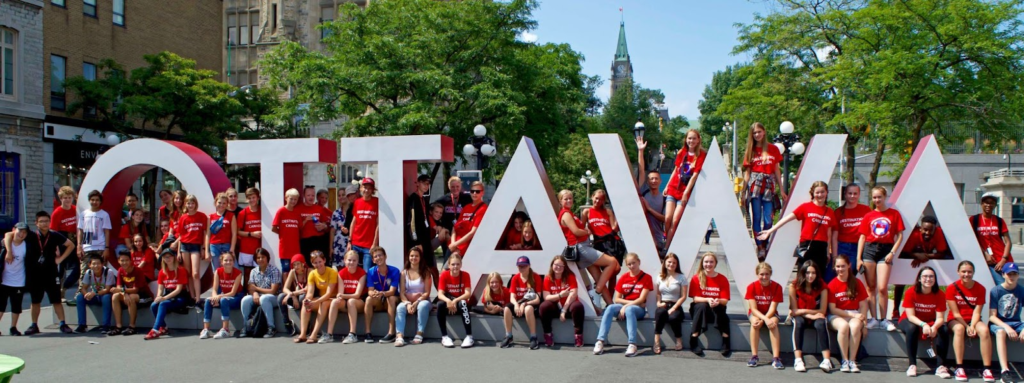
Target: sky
<point x="674" y="45"/>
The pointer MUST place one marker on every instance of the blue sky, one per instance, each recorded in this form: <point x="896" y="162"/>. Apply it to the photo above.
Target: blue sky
<point x="675" y="45"/>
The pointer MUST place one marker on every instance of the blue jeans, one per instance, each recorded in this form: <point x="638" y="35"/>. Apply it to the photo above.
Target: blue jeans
<point x="268" y="304"/>
<point x="997" y="276"/>
<point x="103" y="300"/>
<point x="160" y="310"/>
<point x="365" y="255"/>
<point x="226" y="304"/>
<point x="848" y="249"/>
<point x="422" y="316"/>
<point x="633" y="314"/>
<point x="216" y="250"/>
<point x="762" y="211"/>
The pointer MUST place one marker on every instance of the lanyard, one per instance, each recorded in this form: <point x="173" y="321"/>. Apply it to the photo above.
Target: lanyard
<point x="382" y="279"/>
<point x="423" y="206"/>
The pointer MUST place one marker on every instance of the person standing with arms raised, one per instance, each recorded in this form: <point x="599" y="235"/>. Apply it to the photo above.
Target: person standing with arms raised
<point x="651" y="197"/>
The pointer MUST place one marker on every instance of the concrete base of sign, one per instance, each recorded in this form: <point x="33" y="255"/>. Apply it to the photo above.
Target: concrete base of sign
<point x="490" y="328"/>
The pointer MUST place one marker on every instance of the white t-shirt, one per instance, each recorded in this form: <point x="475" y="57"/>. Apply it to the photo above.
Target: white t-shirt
<point x="92" y="224"/>
<point x="672" y="287"/>
<point x="14" y="273"/>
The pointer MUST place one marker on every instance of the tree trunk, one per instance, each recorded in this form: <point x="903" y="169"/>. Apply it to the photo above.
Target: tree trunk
<point x="851" y="158"/>
<point x="919" y="122"/>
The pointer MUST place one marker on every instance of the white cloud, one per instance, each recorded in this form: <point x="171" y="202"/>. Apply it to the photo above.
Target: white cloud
<point x="527" y="37"/>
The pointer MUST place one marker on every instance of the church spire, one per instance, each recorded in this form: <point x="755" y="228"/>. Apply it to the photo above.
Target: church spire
<point x="621" y="52"/>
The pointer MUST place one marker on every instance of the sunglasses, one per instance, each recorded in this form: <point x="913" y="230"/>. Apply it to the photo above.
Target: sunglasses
<point x="476" y="191"/>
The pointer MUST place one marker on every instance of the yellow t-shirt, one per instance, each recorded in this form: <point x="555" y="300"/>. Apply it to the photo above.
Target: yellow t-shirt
<point x="322" y="282"/>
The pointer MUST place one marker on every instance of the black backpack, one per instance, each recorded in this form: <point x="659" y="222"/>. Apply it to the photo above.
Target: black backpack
<point x="256" y="324"/>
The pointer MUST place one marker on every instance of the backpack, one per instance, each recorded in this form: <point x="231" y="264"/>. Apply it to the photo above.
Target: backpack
<point x="256" y="324"/>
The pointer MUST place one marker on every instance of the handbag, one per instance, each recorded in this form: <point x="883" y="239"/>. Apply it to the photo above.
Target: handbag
<point x="217" y="225"/>
<point x="256" y="324"/>
<point x="801" y="250"/>
<point x="570" y="253"/>
<point x="611" y="245"/>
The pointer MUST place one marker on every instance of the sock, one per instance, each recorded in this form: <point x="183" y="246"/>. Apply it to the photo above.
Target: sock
<point x="61" y="323"/>
<point x="36" y="325"/>
<point x="533" y="337"/>
<point x="508" y="335"/>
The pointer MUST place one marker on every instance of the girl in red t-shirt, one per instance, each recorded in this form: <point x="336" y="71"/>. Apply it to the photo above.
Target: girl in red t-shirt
<point x="689" y="161"/>
<point x="560" y="301"/>
<point x="602" y="267"/>
<point x="923" y="319"/>
<point x="227" y="294"/>
<point x="711" y="293"/>
<point x="454" y="297"/>
<point x="881" y="232"/>
<point x="529" y="238"/>
<point x="169" y="295"/>
<point x="177" y="210"/>
<point x="351" y="296"/>
<point x="817" y="221"/>
<point x="600" y="220"/>
<point x="513" y="237"/>
<point x="468" y="221"/>
<point x="524" y="298"/>
<point x="965" y="299"/>
<point x="192" y="241"/>
<point x="808" y="302"/>
<point x="761" y="178"/>
<point x="143" y="258"/>
<point x="848" y="312"/>
<point x="847" y="232"/>
<point x="224" y="240"/>
<point x="135" y="225"/>
<point x="630" y="304"/>
<point x="496" y="296"/>
<point x="286" y="226"/>
<point x="763" y="298"/>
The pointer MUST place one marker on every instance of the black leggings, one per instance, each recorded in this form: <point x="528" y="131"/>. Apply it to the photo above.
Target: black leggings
<point x="549" y="311"/>
<point x="820" y="326"/>
<point x="674" y="320"/>
<point x="15" y="294"/>
<point x="913" y="336"/>
<point x="442" y="316"/>
<point x="704" y="315"/>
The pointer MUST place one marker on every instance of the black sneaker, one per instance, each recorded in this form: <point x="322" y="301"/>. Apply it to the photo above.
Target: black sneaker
<point x="390" y="338"/>
<point x="288" y="326"/>
<point x="114" y="331"/>
<point x="31" y="330"/>
<point x="81" y="328"/>
<point x="14" y="331"/>
<point x="507" y="342"/>
<point x="368" y="338"/>
<point x="64" y="328"/>
<point x="102" y="329"/>
<point x="128" y="331"/>
<point x="533" y="343"/>
<point x="272" y="332"/>
<point x="1006" y="377"/>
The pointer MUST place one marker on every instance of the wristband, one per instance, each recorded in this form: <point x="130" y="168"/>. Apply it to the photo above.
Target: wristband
<point x="923" y="324"/>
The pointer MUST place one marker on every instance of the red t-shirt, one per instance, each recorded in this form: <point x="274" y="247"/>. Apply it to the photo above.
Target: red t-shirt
<point x="147" y="256"/>
<point x="127" y="232"/>
<point x="925" y="305"/>
<point x="64" y="220"/>
<point x="321" y="213"/>
<point x="881" y="226"/>
<point x="764" y="165"/>
<point x="557" y="286"/>
<point x="764" y="296"/>
<point x="171" y="280"/>
<point x="975" y="296"/>
<point x="718" y="287"/>
<point x="630" y="287"/>
<point x="917" y="244"/>
<point x="249" y="221"/>
<point x="287" y="223"/>
<point x="470" y="217"/>
<point x="501" y="299"/>
<point x="519" y="288"/>
<point x="227" y="281"/>
<point x="224" y="235"/>
<point x="349" y="281"/>
<point x="990" y="237"/>
<point x="808" y="301"/>
<point x="513" y="237"/>
<point x="365" y="226"/>
<point x="571" y="238"/>
<point x="453" y="286"/>
<point x="849" y="222"/>
<point x="814" y="217"/>
<point x="598" y="222"/>
<point x="192" y="228"/>
<point x="675" y="187"/>
<point x="837" y="295"/>
<point x="134" y="280"/>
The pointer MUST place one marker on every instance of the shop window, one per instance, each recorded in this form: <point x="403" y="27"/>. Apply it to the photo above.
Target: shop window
<point x="10" y="167"/>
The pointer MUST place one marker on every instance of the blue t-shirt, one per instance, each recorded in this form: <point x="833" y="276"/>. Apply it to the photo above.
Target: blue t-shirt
<point x="1007" y="302"/>
<point x="383" y="283"/>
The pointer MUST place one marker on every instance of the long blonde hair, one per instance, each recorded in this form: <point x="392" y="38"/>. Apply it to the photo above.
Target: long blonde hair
<point x="702" y="276"/>
<point x="750" y="143"/>
<point x="487" y="291"/>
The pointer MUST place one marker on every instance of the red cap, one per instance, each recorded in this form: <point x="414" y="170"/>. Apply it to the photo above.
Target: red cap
<point x="368" y="181"/>
<point x="298" y="258"/>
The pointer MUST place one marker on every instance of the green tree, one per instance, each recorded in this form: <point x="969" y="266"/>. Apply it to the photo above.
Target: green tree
<point x="629" y="103"/>
<point x="430" y="67"/>
<point x="711" y="118"/>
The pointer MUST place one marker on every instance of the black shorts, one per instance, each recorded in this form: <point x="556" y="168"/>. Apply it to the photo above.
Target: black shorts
<point x="52" y="290"/>
<point x="536" y="309"/>
<point x="15" y="295"/>
<point x="876" y="252"/>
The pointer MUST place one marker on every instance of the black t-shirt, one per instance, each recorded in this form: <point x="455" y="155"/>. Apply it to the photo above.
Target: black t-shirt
<point x="452" y="208"/>
<point x="415" y="211"/>
<point x="42" y="252"/>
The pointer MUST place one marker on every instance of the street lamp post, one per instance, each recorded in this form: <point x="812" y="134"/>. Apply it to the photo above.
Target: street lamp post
<point x="588" y="179"/>
<point x="480" y="144"/>
<point x="788" y="143"/>
<point x="732" y="159"/>
<point x="638" y="129"/>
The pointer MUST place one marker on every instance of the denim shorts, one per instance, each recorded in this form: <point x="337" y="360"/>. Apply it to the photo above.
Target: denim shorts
<point x="876" y="252"/>
<point x="1017" y="326"/>
<point x="669" y="198"/>
<point x="191" y="247"/>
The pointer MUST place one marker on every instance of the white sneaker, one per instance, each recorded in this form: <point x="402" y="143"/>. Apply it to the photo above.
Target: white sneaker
<point x="446" y="341"/>
<point x="349" y="339"/>
<point x="798" y="366"/>
<point x="468" y="342"/>
<point x="631" y="351"/>
<point x="854" y="368"/>
<point x="872" y="324"/>
<point x="943" y="372"/>
<point x="205" y="334"/>
<point x="888" y="326"/>
<point x="912" y="371"/>
<point x="599" y="347"/>
<point x="826" y="365"/>
<point x="223" y="333"/>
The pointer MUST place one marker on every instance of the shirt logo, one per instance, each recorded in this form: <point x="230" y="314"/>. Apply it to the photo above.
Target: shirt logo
<point x="880" y="226"/>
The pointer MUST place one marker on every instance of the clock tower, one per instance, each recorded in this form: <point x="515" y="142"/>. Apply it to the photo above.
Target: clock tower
<point x="622" y="68"/>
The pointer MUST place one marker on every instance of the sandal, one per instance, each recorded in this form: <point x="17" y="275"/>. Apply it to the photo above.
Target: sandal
<point x="299" y="340"/>
<point x="657" y="348"/>
<point x="417" y="339"/>
<point x="679" y="344"/>
<point x="312" y="340"/>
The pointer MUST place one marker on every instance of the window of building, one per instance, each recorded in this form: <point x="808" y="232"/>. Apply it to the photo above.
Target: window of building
<point x="1017" y="210"/>
<point x="89" y="73"/>
<point x="254" y="31"/>
<point x="59" y="3"/>
<point x="8" y="63"/>
<point x="9" y="176"/>
<point x="58" y="71"/>
<point x="273" y="17"/>
<point x="326" y="15"/>
<point x="232" y="30"/>
<point x="89" y="7"/>
<point x="119" y="12"/>
<point x="243" y="30"/>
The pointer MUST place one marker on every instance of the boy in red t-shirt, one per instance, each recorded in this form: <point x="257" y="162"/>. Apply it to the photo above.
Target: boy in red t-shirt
<point x="993" y="236"/>
<point x="131" y="288"/>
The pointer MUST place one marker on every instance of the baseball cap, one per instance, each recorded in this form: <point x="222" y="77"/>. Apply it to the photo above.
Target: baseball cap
<point x="351" y="189"/>
<point x="21" y="226"/>
<point x="1010" y="268"/>
<point x="523" y="261"/>
<point x="368" y="181"/>
<point x="167" y="252"/>
<point x="298" y="258"/>
<point x="989" y="195"/>
<point x="423" y="177"/>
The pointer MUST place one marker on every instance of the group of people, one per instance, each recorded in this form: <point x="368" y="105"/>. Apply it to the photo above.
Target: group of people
<point x="332" y="262"/>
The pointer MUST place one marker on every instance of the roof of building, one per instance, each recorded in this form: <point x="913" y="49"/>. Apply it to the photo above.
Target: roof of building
<point x="621" y="53"/>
